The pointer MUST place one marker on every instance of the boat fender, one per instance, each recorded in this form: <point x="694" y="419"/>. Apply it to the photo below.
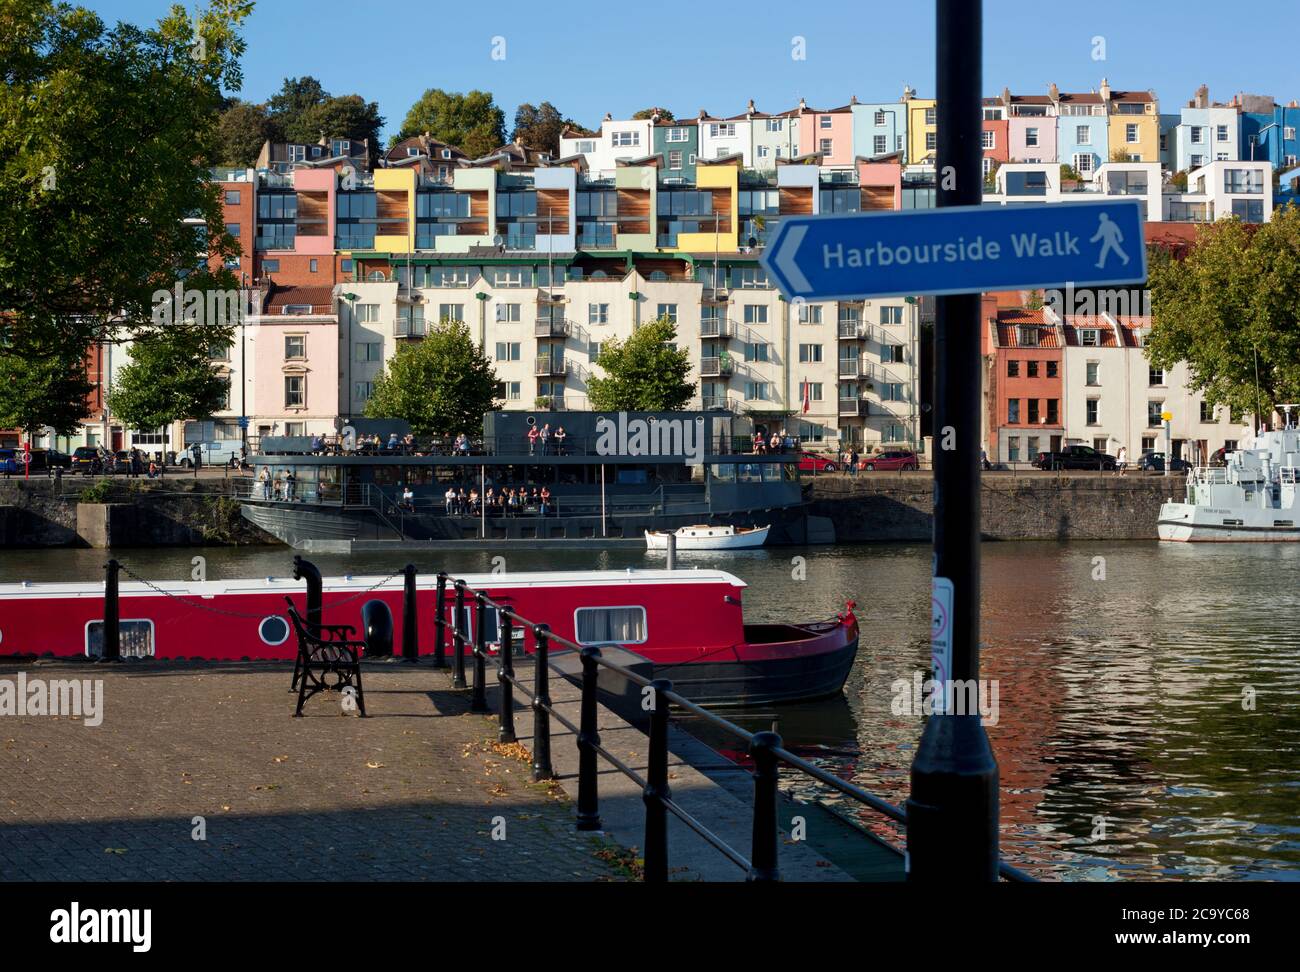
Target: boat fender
<point x="848" y="617"/>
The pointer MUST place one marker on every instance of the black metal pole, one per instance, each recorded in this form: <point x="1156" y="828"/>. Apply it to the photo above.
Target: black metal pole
<point x="410" y="624"/>
<point x="762" y="858"/>
<point x="506" y="731"/>
<point x="305" y="570"/>
<point x="542" y="768"/>
<point x="458" y="638"/>
<point x="478" y="698"/>
<point x="657" y="789"/>
<point x="112" y="614"/>
<point x="440" y="624"/>
<point x="588" y="740"/>
<point x="952" y="814"/>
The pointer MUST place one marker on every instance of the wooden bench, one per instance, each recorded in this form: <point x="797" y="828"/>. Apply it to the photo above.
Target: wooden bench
<point x="324" y="651"/>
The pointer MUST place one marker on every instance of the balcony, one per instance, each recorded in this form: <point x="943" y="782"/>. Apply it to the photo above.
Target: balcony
<point x="716" y="367"/>
<point x="852" y="407"/>
<point x="716" y="328"/>
<point x="850" y="368"/>
<point x="852" y="331"/>
<point x="549" y="365"/>
<point x="546" y="327"/>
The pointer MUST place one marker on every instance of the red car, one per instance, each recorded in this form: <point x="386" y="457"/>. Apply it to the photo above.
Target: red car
<point x="893" y="459"/>
<point x="813" y="463"/>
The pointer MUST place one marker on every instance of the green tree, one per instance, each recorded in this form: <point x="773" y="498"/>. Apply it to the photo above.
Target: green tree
<point x="1232" y="301"/>
<point x="83" y="247"/>
<point x="472" y="122"/>
<point x="440" y="385"/>
<point x="347" y="116"/>
<point x="540" y="127"/>
<point x="663" y="113"/>
<point x="47" y="390"/>
<point x="644" y="373"/>
<point x="243" y="130"/>
<point x="294" y="99"/>
<point x="170" y="377"/>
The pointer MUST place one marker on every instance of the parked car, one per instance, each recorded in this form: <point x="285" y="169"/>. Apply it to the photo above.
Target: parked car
<point x="1075" y="457"/>
<point x="50" y="459"/>
<point x="890" y="459"/>
<point x="217" y="453"/>
<point x="1155" y="462"/>
<point x="85" y="460"/>
<point x="813" y="463"/>
<point x="10" y="461"/>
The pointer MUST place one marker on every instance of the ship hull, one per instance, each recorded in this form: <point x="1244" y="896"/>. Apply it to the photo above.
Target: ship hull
<point x="1188" y="523"/>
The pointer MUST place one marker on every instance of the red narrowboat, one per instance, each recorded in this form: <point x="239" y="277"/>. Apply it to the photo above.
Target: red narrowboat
<point x="687" y="623"/>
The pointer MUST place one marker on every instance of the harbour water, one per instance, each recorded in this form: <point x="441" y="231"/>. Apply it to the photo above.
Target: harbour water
<point x="1148" y="721"/>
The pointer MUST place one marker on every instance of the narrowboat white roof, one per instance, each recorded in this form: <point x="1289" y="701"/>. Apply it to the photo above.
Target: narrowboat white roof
<point x="353" y="583"/>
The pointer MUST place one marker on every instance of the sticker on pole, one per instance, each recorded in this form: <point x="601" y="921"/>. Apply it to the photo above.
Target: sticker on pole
<point x="940" y="637"/>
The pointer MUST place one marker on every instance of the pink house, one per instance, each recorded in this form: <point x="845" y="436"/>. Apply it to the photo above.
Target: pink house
<point x="1031" y="127"/>
<point x="293" y="350"/>
<point x="828" y="133"/>
<point x="316" y="189"/>
<point x="881" y="181"/>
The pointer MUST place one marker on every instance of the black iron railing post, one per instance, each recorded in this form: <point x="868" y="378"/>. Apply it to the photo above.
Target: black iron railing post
<point x="762" y="858"/>
<point x="478" y="699"/>
<point x="506" y="732"/>
<point x="588" y="740"/>
<point x="440" y="624"/>
<point x="657" y="789"/>
<point x="112" y="650"/>
<point x="458" y="638"/>
<point x="410" y="624"/>
<point x="542" y="769"/>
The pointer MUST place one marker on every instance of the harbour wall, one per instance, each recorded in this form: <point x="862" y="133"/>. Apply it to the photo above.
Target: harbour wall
<point x="176" y="512"/>
<point x="874" y="507"/>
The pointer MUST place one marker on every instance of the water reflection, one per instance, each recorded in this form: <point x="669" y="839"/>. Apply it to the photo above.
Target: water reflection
<point x="1149" y="722"/>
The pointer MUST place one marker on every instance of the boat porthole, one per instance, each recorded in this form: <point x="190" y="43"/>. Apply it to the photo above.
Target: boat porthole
<point x="273" y="630"/>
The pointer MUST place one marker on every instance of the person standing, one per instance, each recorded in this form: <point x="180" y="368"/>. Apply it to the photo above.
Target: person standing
<point x="449" y="500"/>
<point x="853" y="460"/>
<point x="545" y="500"/>
<point x="1121" y="460"/>
<point x="264" y="478"/>
<point x="532" y="439"/>
<point x="559" y="440"/>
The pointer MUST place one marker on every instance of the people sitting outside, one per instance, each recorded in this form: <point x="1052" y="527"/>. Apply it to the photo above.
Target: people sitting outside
<point x="462" y="445"/>
<point x="408" y="499"/>
<point x="774" y="443"/>
<point x="532" y="439"/>
<point x="392" y="442"/>
<point x="317" y="444"/>
<point x="408" y="444"/>
<point x="560" y="435"/>
<point x="153" y="469"/>
<point x="787" y="443"/>
<point x="760" y="444"/>
<point x="473" y="502"/>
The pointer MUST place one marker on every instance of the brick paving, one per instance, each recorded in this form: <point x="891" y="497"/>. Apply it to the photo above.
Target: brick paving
<point x="409" y="793"/>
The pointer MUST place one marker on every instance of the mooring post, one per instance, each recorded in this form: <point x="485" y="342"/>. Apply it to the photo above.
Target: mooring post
<point x="657" y="789"/>
<point x="458" y="638"/>
<point x="762" y="858"/>
<point x="112" y="650"/>
<point x="952" y="813"/>
<point x="542" y="769"/>
<point x="672" y="550"/>
<point x="305" y="570"/>
<point x="506" y="731"/>
<point x="588" y="740"/>
<point x="440" y="624"/>
<point x="478" y="700"/>
<point x="410" y="629"/>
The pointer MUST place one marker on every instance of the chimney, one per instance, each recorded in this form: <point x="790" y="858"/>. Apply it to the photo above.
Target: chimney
<point x="1203" y="96"/>
<point x="1053" y="92"/>
<point x="853" y="99"/>
<point x="703" y="114"/>
<point x="1105" y="90"/>
<point x="608" y="116"/>
<point x="1006" y="96"/>
<point x="654" y="119"/>
<point x="908" y="92"/>
<point x="803" y="105"/>
<point x="750" y="110"/>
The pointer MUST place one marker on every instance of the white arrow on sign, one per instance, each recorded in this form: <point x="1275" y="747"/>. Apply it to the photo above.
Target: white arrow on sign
<point x="785" y="261"/>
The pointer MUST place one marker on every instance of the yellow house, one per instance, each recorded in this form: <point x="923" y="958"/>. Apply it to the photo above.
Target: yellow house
<point x="1134" y="123"/>
<point x="395" y="209"/>
<point x="921" y="129"/>
<point x="722" y="179"/>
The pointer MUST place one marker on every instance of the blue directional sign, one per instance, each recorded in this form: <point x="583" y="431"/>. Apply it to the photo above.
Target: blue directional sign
<point x="958" y="250"/>
<point x="243" y="421"/>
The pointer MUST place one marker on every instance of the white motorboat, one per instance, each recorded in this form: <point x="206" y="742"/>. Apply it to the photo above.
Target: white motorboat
<point x="1252" y="498"/>
<point x="708" y="538"/>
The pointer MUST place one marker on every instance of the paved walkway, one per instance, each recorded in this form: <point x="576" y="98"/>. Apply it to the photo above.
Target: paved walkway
<point x="415" y="792"/>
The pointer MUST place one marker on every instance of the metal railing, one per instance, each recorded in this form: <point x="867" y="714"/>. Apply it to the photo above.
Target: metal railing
<point x="766" y="748"/>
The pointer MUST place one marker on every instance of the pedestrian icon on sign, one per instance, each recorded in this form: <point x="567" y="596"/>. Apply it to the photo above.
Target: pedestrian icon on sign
<point x="1111" y="237"/>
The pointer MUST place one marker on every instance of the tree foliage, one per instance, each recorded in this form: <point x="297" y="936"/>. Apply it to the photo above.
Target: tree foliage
<point x="472" y="122"/>
<point x="644" y="373"/>
<point x="243" y="130"/>
<point x="1233" y="298"/>
<point x="304" y="112"/>
<point x="441" y="385"/>
<point x="43" y="391"/>
<point x="663" y="113"/>
<point x="105" y="197"/>
<point x="170" y="377"/>
<point x="540" y="127"/>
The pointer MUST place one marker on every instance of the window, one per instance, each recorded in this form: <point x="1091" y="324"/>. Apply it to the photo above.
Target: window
<point x="1013" y="411"/>
<point x="1089" y="337"/>
<point x="367" y="313"/>
<point x="507" y="350"/>
<point x="1051" y="369"/>
<point x="1155" y="376"/>
<point x="512" y="390"/>
<point x="624" y="625"/>
<point x="1013" y="448"/>
<point x="1028" y="337"/>
<point x="1131" y="134"/>
<point x="1288" y="133"/>
<point x="1221" y="133"/>
<point x="814" y="390"/>
<point x="775" y="124"/>
<point x="756" y="350"/>
<point x="879" y="144"/>
<point x="891" y="353"/>
<point x="1031" y="369"/>
<point x="891" y="315"/>
<point x="758" y="391"/>
<point x="1207" y="413"/>
<point x="598" y="313"/>
<point x="625" y="139"/>
<point x="1091" y="370"/>
<point x="669" y="311"/>
<point x="1031" y="136"/>
<point x="295" y="391"/>
<point x="930" y="116"/>
<point x="232" y="197"/>
<point x="810" y="314"/>
<point x="1148" y="444"/>
<point x="295" y="347"/>
<point x="1091" y="409"/>
<point x="586" y="147"/>
<point x="1083" y="162"/>
<point x="826" y="146"/>
<point x="233" y="229"/>
<point x="676" y="135"/>
<point x="825" y="121"/>
<point x="1154" y="408"/>
<point x="1082" y="135"/>
<point x="1196" y="134"/>
<point x="893" y="391"/>
<point x="810" y="353"/>
<point x="270" y="266"/>
<point x="507" y="313"/>
<point x="410" y="321"/>
<point x="1013" y="368"/>
<point x="1033" y="411"/>
<point x="930" y="141"/>
<point x="879" y="118"/>
<point x="451" y="312"/>
<point x="675" y="159"/>
<point x="988" y="140"/>
<point x="723" y="130"/>
<point x="755" y="313"/>
<point x="369" y="351"/>
<point x="1053" y="411"/>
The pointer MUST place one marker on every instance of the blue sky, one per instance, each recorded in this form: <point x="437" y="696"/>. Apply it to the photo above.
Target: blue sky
<point x="607" y="56"/>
